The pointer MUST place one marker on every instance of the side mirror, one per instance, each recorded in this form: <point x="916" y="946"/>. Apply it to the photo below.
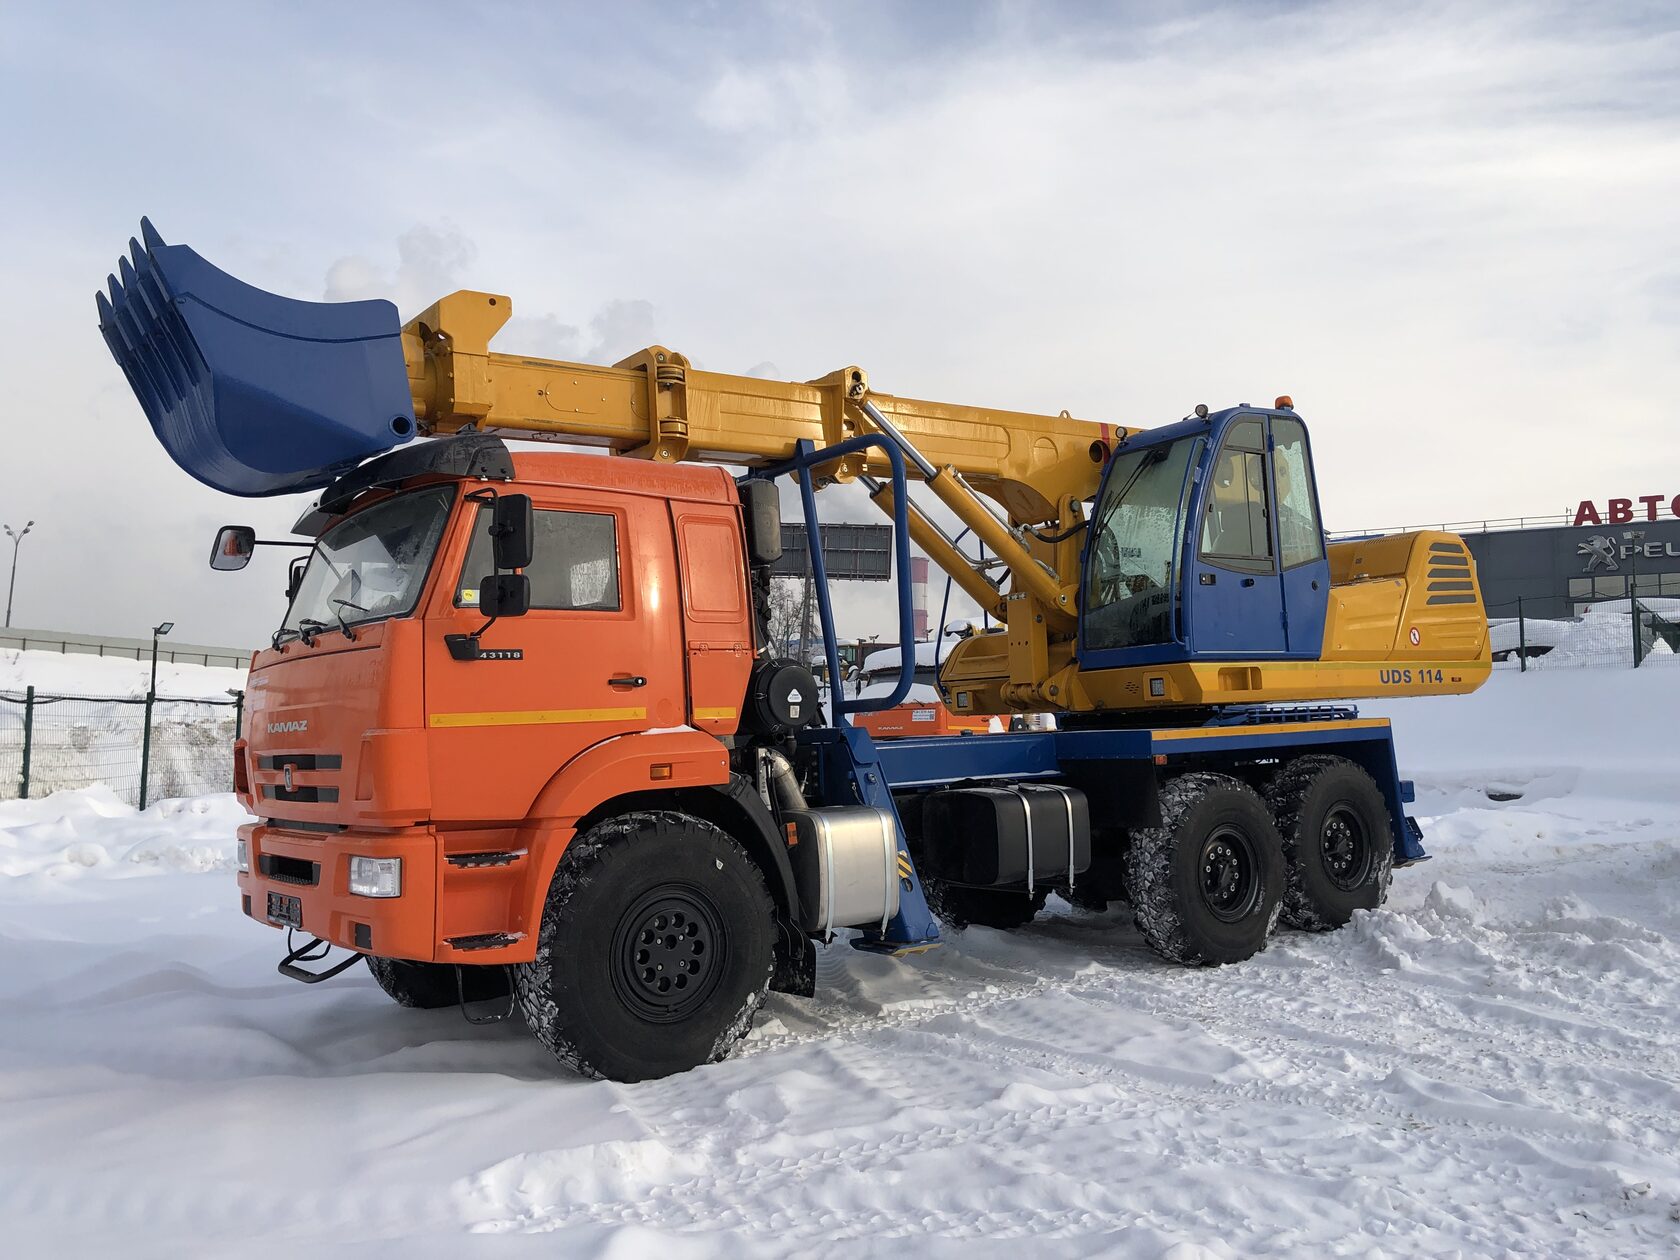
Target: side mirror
<point x="233" y="548"/>
<point x="512" y="534"/>
<point x="294" y="576"/>
<point x="505" y="594"/>
<point x="761" y="511"/>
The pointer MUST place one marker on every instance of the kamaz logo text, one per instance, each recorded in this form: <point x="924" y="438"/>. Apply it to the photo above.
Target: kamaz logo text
<point x="288" y="728"/>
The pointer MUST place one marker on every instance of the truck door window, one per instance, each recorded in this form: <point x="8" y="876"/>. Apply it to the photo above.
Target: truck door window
<point x="1300" y="538"/>
<point x="1236" y="527"/>
<point x="574" y="562"/>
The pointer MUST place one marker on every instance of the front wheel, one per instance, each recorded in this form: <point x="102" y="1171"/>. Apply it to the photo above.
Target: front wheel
<point x="1205" y="885"/>
<point x="656" y="947"/>
<point x="428" y="986"/>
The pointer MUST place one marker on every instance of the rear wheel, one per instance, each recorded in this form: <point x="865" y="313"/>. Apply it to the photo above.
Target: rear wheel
<point x="656" y="947"/>
<point x="1205" y="886"/>
<point x="957" y="906"/>
<point x="1337" y="841"/>
<point x="427" y="986"/>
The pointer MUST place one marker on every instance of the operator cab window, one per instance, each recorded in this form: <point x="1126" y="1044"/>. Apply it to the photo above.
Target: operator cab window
<point x="574" y="562"/>
<point x="1137" y="536"/>
<point x="1300" y="537"/>
<point x="1236" y="527"/>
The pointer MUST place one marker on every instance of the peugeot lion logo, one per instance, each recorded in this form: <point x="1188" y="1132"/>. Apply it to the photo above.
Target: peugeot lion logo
<point x="1600" y="551"/>
<point x="288" y="728"/>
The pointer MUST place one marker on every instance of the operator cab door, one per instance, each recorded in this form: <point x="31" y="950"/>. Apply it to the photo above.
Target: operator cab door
<point x="601" y="652"/>
<point x="1235" y="593"/>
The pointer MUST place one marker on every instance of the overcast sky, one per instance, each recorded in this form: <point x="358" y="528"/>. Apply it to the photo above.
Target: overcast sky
<point x="1448" y="230"/>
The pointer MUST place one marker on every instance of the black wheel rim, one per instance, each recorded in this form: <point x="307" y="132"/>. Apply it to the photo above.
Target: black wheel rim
<point x="1228" y="874"/>
<point x="1346" y="848"/>
<point x="669" y="952"/>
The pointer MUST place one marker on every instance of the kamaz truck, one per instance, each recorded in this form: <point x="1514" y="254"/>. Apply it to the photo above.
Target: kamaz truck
<point x="520" y="741"/>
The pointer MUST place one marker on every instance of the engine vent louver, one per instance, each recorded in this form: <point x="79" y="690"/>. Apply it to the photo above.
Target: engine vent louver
<point x="1451" y="579"/>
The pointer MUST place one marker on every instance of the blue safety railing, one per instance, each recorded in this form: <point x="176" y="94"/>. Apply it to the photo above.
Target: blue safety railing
<point x="806" y="458"/>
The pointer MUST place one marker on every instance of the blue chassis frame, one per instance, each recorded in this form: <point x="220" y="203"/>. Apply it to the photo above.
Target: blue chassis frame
<point x="852" y="767"/>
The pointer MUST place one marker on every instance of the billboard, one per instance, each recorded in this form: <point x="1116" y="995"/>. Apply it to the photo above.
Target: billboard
<point x="854" y="553"/>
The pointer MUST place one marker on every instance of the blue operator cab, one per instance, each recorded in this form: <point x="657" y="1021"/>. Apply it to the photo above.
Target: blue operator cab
<point x="1206" y="543"/>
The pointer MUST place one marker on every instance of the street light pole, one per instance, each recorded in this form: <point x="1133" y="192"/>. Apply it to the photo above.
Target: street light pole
<point x="158" y="631"/>
<point x="11" y="587"/>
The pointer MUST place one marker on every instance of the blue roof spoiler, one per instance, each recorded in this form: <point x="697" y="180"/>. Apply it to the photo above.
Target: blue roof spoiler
<point x="250" y="392"/>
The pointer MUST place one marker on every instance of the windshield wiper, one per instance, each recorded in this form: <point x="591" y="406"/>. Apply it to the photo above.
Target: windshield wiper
<point x="341" y="605"/>
<point x="285" y="634"/>
<point x="308" y="627"/>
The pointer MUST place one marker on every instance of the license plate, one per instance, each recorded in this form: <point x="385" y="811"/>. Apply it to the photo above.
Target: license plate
<point x="285" y="910"/>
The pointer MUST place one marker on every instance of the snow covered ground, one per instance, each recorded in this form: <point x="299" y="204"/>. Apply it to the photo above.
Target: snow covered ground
<point x="79" y="674"/>
<point x="1490" y="1066"/>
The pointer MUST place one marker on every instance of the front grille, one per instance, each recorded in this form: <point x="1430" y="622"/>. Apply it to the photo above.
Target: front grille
<point x="307" y="795"/>
<point x="300" y="761"/>
<point x="289" y="870"/>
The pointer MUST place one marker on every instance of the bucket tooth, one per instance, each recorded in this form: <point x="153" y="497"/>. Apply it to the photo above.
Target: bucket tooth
<point x="251" y="392"/>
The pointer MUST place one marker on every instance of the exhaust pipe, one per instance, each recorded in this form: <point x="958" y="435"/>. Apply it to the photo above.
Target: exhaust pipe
<point x="250" y="392"/>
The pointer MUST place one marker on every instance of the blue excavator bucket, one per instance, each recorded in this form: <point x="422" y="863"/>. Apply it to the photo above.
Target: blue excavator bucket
<point x="250" y="392"/>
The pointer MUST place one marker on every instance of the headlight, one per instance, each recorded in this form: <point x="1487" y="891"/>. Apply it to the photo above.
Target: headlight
<point x="244" y="854"/>
<point x="376" y="877"/>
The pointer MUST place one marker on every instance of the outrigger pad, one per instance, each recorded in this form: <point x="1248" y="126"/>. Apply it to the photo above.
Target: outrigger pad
<point x="253" y="393"/>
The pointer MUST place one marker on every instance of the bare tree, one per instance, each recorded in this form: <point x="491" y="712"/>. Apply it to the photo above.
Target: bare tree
<point x="786" y="598"/>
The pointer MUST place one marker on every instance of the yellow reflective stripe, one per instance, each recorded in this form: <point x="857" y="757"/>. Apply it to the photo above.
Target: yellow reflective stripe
<point x="537" y="717"/>
<point x="1266" y="728"/>
<point x="714" y="715"/>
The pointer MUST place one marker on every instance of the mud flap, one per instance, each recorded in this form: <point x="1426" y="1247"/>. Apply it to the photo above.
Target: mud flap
<point x="249" y="392"/>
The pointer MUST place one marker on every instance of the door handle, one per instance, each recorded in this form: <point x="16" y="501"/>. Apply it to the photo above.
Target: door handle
<point x="1248" y="582"/>
<point x="1208" y="579"/>
<point x="626" y="680"/>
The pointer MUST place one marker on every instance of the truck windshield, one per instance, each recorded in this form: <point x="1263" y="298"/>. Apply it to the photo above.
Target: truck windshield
<point x="370" y="566"/>
<point x="1131" y="589"/>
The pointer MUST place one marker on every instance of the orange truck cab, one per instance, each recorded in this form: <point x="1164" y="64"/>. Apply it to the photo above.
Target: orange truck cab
<point x="418" y="773"/>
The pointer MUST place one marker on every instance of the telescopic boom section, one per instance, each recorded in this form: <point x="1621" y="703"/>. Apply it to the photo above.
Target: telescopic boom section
<point x="656" y="405"/>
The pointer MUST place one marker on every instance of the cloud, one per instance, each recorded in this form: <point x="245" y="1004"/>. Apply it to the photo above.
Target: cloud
<point x="431" y="262"/>
<point x="1446" y="230"/>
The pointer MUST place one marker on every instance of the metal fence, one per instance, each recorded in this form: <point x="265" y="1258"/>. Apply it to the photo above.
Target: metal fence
<point x="144" y="749"/>
<point x="1640" y="634"/>
<point x="70" y="643"/>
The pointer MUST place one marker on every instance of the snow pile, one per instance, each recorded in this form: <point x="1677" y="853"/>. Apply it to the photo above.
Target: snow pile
<point x="77" y="674"/>
<point x="92" y="833"/>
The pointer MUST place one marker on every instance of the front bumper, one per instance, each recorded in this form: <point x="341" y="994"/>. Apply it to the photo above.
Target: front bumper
<point x="315" y="869"/>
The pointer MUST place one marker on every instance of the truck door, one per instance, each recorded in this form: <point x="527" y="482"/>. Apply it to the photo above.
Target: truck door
<point x="599" y="652"/>
<point x="1300" y="539"/>
<point x="1234" y="591"/>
